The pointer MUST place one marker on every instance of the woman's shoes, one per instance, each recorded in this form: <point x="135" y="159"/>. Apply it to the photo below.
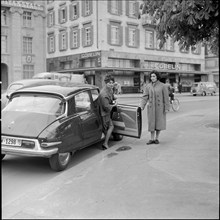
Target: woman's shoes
<point x="150" y="142"/>
<point x="104" y="147"/>
<point x="156" y="141"/>
<point x="153" y="142"/>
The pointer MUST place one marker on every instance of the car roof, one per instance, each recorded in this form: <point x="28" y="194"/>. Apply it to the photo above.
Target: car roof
<point x="63" y="89"/>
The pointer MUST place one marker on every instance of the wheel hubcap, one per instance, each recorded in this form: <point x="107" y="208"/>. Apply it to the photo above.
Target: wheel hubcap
<point x="64" y="158"/>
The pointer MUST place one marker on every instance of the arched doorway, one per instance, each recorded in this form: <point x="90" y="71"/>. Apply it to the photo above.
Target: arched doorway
<point x="4" y="76"/>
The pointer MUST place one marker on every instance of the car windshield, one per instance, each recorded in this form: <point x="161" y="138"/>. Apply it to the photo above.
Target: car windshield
<point x="42" y="104"/>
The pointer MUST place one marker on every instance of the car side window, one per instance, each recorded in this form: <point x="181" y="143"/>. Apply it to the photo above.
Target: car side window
<point x="82" y="102"/>
<point x="71" y="106"/>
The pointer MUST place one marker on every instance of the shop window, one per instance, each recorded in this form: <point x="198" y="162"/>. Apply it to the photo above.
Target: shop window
<point x="115" y="7"/>
<point x="28" y="71"/>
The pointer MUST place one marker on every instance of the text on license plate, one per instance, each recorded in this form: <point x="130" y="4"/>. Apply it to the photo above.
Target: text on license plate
<point x="11" y="141"/>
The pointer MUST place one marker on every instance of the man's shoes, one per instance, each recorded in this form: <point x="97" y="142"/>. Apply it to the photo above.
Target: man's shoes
<point x="150" y="142"/>
<point x="156" y="141"/>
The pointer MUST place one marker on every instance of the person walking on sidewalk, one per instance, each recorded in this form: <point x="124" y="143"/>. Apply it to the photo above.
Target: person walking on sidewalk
<point x="156" y="97"/>
<point x="106" y="100"/>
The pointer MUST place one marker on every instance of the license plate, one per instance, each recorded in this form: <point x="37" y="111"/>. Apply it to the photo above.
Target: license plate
<point x="11" y="142"/>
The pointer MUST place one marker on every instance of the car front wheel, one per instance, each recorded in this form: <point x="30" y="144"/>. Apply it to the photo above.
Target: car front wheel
<point x="59" y="161"/>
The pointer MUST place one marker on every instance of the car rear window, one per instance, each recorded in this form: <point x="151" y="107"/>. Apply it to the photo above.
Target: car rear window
<point x="36" y="104"/>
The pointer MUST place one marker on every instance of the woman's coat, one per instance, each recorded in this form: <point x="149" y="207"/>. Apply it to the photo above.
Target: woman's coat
<point x="156" y="98"/>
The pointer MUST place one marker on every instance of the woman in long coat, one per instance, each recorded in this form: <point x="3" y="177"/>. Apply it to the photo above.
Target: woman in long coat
<point x="156" y="98"/>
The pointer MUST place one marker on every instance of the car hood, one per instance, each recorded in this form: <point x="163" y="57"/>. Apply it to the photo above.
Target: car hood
<point x="25" y="124"/>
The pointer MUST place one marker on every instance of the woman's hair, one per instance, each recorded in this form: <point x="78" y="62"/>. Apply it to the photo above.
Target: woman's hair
<point x="156" y="73"/>
<point x="108" y="78"/>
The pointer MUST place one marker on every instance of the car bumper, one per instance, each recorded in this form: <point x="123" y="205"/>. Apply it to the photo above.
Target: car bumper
<point x="37" y="151"/>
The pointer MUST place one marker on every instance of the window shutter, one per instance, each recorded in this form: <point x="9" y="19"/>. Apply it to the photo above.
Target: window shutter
<point x="66" y="34"/>
<point x="126" y="36"/>
<point x="91" y="35"/>
<point x="137" y="38"/>
<point x="54" y="43"/>
<point x="48" y="19"/>
<point x="48" y="44"/>
<point x="121" y="35"/>
<point x="83" y="37"/>
<point x="66" y="14"/>
<point x="120" y="7"/>
<point x="83" y="8"/>
<point x="77" y="8"/>
<point x="109" y="6"/>
<point x="53" y="17"/>
<point x="109" y="34"/>
<point x="71" y="38"/>
<point x="59" y="16"/>
<point x="71" y="11"/>
<point x="60" y="41"/>
<point x="78" y="38"/>
<point x="127" y="8"/>
<point x="91" y="6"/>
<point x="136" y="9"/>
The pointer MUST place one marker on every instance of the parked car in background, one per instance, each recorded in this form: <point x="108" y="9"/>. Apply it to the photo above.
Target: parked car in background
<point x="25" y="83"/>
<point x="54" y="121"/>
<point x="203" y="88"/>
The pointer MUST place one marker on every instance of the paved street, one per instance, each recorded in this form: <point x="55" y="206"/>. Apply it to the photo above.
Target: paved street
<point x="179" y="178"/>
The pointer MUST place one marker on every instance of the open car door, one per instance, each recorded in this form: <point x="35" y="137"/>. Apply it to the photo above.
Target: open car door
<point x="127" y="120"/>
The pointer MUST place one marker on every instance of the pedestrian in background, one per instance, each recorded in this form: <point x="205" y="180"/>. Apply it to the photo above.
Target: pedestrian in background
<point x="107" y="102"/>
<point x="180" y="87"/>
<point x="156" y="98"/>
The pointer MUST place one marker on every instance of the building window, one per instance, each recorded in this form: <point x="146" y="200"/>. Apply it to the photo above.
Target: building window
<point x="115" y="33"/>
<point x="170" y="44"/>
<point x="28" y="71"/>
<point x="158" y="45"/>
<point x="51" y="43"/>
<point x="132" y="37"/>
<point x="4" y="44"/>
<point x="87" y="7"/>
<point x="27" y="45"/>
<point x="51" y="18"/>
<point x="115" y="7"/>
<point x="63" y="40"/>
<point x="183" y="50"/>
<point x="149" y="39"/>
<point x="4" y="18"/>
<point x="27" y="19"/>
<point x="132" y="8"/>
<point x="63" y="15"/>
<point x="196" y="49"/>
<point x="87" y="35"/>
<point x="74" y="38"/>
<point x="74" y="11"/>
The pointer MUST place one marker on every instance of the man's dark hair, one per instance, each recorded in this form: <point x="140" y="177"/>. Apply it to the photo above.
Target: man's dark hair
<point x="108" y="78"/>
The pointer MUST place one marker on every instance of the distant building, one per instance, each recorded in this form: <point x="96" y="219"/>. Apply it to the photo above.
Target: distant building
<point x="98" y="37"/>
<point x="23" y="40"/>
<point x="93" y="38"/>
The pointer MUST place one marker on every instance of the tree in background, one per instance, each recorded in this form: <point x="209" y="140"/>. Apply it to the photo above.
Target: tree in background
<point x="186" y="21"/>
